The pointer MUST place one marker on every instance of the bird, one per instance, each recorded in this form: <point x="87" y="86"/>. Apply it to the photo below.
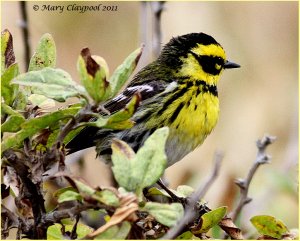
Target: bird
<point x="177" y="90"/>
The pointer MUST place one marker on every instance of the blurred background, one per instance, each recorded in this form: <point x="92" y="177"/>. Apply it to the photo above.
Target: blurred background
<point x="259" y="98"/>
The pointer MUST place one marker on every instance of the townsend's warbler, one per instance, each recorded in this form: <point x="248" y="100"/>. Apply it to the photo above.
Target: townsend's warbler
<point x="178" y="90"/>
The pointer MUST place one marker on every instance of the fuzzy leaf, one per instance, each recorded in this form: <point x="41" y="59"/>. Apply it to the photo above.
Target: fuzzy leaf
<point x="45" y="54"/>
<point x="33" y="126"/>
<point x="210" y="219"/>
<point x="54" y="231"/>
<point x="122" y="159"/>
<point x="12" y="124"/>
<point x="166" y="214"/>
<point x="8" y="91"/>
<point x="137" y="171"/>
<point x="107" y="197"/>
<point x="93" y="76"/>
<point x="52" y="83"/>
<point x="270" y="226"/>
<point x="123" y="72"/>
<point x="69" y="195"/>
<point x="116" y="232"/>
<point x="7" y="52"/>
<point x="188" y="235"/>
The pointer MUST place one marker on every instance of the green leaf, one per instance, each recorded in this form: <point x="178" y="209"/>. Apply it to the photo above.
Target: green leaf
<point x="8" y="110"/>
<point x="119" y="120"/>
<point x="12" y="124"/>
<point x="107" y="197"/>
<point x="116" y="232"/>
<point x="8" y="91"/>
<point x="21" y="100"/>
<point x="41" y="101"/>
<point x="45" y="54"/>
<point x="7" y="52"/>
<point x="123" y="72"/>
<point x="210" y="219"/>
<point x="151" y="160"/>
<point x="137" y="171"/>
<point x="166" y="214"/>
<point x="54" y="231"/>
<point x="188" y="235"/>
<point x="84" y="188"/>
<point x="93" y="77"/>
<point x="33" y="126"/>
<point x="184" y="191"/>
<point x="52" y="83"/>
<point x="270" y="226"/>
<point x="67" y="194"/>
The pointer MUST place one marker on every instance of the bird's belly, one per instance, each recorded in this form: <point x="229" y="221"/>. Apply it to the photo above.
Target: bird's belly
<point x="194" y="122"/>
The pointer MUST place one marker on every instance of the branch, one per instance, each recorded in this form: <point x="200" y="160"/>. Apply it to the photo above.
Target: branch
<point x="261" y="158"/>
<point x="189" y="214"/>
<point x="25" y="32"/>
<point x="157" y="35"/>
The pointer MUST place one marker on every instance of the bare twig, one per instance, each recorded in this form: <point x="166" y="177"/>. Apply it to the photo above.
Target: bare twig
<point x="25" y="32"/>
<point x="157" y="8"/>
<point x="189" y="214"/>
<point x="261" y="158"/>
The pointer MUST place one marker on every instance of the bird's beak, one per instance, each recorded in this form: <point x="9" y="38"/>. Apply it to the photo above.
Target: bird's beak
<point x="230" y="65"/>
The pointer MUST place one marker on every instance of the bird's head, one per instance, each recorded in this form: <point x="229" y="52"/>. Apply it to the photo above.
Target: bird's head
<point x="197" y="56"/>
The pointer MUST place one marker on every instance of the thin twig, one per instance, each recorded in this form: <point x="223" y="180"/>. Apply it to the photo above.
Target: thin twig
<point x="261" y="158"/>
<point x="25" y="32"/>
<point x="157" y="8"/>
<point x="189" y="214"/>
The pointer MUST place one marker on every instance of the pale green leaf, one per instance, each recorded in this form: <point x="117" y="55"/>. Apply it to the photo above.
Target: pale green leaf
<point x="12" y="123"/>
<point x="270" y="226"/>
<point x="41" y="101"/>
<point x="122" y="159"/>
<point x="8" y="90"/>
<point x="69" y="195"/>
<point x="123" y="72"/>
<point x="188" y="235"/>
<point x="116" y="232"/>
<point x="45" y="54"/>
<point x="33" y="126"/>
<point x="54" y="231"/>
<point x="84" y="188"/>
<point x="151" y="160"/>
<point x="107" y="197"/>
<point x="166" y="214"/>
<point x="137" y="171"/>
<point x="211" y="219"/>
<point x="93" y="77"/>
<point x="56" y="84"/>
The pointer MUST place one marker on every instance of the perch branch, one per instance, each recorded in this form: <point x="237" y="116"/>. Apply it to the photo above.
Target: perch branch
<point x="261" y="158"/>
<point x="189" y="214"/>
<point x="25" y="32"/>
<point x="157" y="8"/>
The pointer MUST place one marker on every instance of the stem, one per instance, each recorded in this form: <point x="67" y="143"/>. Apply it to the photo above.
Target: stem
<point x="244" y="184"/>
<point x="190" y="212"/>
<point x="25" y="32"/>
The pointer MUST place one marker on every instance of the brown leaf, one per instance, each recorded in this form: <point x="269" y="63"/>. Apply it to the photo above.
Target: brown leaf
<point x="91" y="65"/>
<point x="125" y="212"/>
<point x="9" y="52"/>
<point x="230" y="228"/>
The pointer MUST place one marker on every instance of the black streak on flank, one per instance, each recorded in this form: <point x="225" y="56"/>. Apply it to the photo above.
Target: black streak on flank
<point x="176" y="112"/>
<point x="174" y="97"/>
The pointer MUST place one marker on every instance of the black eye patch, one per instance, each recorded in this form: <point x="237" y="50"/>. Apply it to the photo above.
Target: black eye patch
<point x="209" y="63"/>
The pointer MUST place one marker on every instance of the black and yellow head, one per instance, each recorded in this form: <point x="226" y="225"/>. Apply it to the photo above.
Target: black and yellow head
<point x="196" y="55"/>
